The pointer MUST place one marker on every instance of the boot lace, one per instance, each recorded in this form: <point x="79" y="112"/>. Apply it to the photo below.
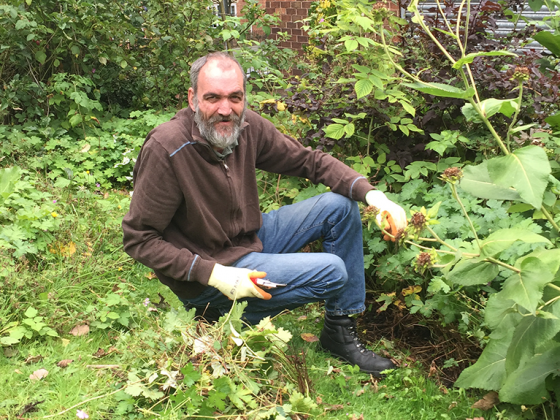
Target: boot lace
<point x="354" y="333"/>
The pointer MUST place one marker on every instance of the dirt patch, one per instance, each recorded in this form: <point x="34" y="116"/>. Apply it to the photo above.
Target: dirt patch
<point x="420" y="339"/>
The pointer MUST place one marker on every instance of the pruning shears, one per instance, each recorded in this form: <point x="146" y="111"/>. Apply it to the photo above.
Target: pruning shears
<point x="392" y="228"/>
<point x="266" y="283"/>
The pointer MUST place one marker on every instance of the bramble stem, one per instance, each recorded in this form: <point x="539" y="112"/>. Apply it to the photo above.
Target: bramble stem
<point x="441" y="241"/>
<point x="456" y="197"/>
<point x="514" y="120"/>
<point x="550" y="218"/>
<point x="503" y="264"/>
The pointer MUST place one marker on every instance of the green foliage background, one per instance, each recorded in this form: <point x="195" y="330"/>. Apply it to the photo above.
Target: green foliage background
<point x="83" y="83"/>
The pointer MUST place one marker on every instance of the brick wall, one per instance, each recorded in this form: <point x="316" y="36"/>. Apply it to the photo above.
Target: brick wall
<point x="289" y="12"/>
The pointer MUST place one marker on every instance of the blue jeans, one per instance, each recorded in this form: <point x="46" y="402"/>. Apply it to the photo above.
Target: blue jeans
<point x="335" y="276"/>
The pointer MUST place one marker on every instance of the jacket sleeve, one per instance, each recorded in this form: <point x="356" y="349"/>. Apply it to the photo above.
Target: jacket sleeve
<point x="155" y="200"/>
<point x="282" y="154"/>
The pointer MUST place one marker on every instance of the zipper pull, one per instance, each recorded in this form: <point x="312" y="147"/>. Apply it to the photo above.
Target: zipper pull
<point x="225" y="166"/>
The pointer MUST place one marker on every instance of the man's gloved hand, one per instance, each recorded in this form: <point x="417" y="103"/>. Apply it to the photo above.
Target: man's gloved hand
<point x="394" y="214"/>
<point x="236" y="283"/>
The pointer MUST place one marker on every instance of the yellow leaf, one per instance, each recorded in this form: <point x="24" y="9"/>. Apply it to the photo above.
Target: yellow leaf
<point x="281" y="106"/>
<point x="410" y="290"/>
<point x="68" y="250"/>
<point x="310" y="338"/>
<point x="85" y="149"/>
<point x="400" y="304"/>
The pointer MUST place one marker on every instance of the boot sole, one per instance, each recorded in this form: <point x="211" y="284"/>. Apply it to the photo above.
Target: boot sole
<point x="375" y="373"/>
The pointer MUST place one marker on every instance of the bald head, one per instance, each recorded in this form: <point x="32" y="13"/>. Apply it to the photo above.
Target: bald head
<point x="222" y="60"/>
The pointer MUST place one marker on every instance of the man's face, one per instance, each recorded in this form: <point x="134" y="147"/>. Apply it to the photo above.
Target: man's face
<point x="219" y="103"/>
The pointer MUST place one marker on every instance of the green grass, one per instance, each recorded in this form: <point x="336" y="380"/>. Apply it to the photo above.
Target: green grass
<point x="100" y="286"/>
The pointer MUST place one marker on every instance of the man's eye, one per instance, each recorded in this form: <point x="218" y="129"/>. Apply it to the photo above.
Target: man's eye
<point x="236" y="98"/>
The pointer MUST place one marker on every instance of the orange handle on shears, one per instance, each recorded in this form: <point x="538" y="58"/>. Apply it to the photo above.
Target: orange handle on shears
<point x="259" y="275"/>
<point x="392" y="227"/>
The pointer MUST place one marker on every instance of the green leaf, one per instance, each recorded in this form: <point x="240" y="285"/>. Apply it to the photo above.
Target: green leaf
<point x="526" y="287"/>
<point x="549" y="41"/>
<point x="553" y="120"/>
<point x="40" y="56"/>
<point x="439" y="89"/>
<point x="527" y="384"/>
<point x="351" y="44"/>
<point x="75" y="120"/>
<point x="489" y="371"/>
<point x="476" y="181"/>
<point x="520" y="208"/>
<point x="349" y="129"/>
<point x="501" y="316"/>
<point x="334" y="131"/>
<point x="522" y="127"/>
<point x="527" y="170"/>
<point x="469" y="272"/>
<point x="408" y="108"/>
<point x="8" y="179"/>
<point x="489" y="107"/>
<point x="470" y="57"/>
<point x="504" y="238"/>
<point x="363" y="88"/>
<point x="134" y="390"/>
<point x="376" y="81"/>
<point x="531" y="332"/>
<point x="536" y="5"/>
<point x="191" y="375"/>
<point x="31" y="312"/>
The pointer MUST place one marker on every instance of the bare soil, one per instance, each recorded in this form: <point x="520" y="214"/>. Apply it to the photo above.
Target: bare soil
<point x="419" y="339"/>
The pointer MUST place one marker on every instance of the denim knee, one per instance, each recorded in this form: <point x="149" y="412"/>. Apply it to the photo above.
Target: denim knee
<point x="343" y="205"/>
<point x="337" y="275"/>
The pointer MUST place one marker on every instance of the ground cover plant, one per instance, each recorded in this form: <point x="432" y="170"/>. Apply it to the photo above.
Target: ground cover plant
<point x="85" y="331"/>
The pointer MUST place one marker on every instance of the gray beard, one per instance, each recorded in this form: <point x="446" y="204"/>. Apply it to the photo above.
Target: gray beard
<point x="207" y="130"/>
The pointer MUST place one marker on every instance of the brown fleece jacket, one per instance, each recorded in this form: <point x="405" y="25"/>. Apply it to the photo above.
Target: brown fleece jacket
<point x="191" y="209"/>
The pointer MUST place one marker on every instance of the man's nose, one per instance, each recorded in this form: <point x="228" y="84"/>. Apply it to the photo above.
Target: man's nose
<point x="224" y="107"/>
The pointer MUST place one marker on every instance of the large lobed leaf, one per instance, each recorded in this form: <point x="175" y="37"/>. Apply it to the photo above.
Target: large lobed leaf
<point x="489" y="371"/>
<point x="526" y="287"/>
<point x="8" y="179"/>
<point x="527" y="384"/>
<point x="476" y="181"/>
<point x="531" y="332"/>
<point x="470" y="272"/>
<point x="527" y="170"/>
<point x="504" y="238"/>
<point x="439" y="89"/>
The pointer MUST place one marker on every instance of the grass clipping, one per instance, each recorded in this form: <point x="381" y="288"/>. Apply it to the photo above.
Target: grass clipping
<point x="223" y="368"/>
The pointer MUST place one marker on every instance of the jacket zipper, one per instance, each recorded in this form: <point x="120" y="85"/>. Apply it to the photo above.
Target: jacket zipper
<point x="232" y="200"/>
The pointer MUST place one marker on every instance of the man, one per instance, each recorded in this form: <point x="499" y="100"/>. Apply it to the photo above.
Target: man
<point x="195" y="218"/>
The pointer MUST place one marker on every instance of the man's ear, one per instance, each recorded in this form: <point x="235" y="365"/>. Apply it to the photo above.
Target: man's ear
<point x="191" y="98"/>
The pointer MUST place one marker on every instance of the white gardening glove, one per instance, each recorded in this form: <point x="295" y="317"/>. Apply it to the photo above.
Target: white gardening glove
<point x="392" y="212"/>
<point x="236" y="283"/>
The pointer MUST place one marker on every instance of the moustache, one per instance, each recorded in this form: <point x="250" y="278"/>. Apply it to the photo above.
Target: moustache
<point x="220" y="118"/>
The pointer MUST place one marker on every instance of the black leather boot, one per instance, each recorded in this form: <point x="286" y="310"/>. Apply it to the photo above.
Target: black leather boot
<point x="340" y="338"/>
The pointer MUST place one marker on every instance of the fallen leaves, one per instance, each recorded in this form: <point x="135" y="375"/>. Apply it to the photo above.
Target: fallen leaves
<point x="64" y="363"/>
<point x="102" y="353"/>
<point x="310" y="338"/>
<point x="33" y="359"/>
<point x="487" y="402"/>
<point x="79" y="330"/>
<point x="39" y="374"/>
